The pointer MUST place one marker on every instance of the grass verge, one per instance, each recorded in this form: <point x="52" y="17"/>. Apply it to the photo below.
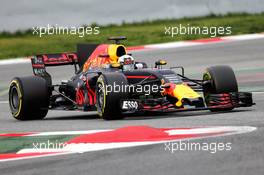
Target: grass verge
<point x="24" y="43"/>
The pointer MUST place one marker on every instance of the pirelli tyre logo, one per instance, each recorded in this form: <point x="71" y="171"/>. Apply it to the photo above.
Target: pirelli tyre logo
<point x="129" y="105"/>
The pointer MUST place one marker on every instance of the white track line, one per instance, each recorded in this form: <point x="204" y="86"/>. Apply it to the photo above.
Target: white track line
<point x="87" y="147"/>
<point x="14" y="61"/>
<point x="67" y="133"/>
<point x="204" y="41"/>
<point x="257" y="92"/>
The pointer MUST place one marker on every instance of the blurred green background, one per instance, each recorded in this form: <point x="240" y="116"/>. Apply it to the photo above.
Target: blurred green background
<point x="24" y="43"/>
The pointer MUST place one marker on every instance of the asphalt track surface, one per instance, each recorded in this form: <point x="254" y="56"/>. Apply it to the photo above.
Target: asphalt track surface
<point x="246" y="156"/>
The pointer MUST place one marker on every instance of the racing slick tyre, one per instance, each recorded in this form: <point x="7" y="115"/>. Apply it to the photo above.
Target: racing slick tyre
<point x="28" y="98"/>
<point x="219" y="80"/>
<point x="107" y="99"/>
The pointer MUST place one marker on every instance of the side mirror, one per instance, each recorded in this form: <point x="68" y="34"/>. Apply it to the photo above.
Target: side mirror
<point x="160" y="63"/>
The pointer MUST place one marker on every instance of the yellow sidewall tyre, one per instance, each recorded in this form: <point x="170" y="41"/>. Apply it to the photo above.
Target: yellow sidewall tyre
<point x="28" y="98"/>
<point x="108" y="102"/>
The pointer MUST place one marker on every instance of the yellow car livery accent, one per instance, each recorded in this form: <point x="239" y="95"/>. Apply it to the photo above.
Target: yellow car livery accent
<point x="181" y="91"/>
<point x="113" y="51"/>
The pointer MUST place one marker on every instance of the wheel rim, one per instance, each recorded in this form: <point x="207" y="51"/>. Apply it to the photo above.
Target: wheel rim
<point x="207" y="77"/>
<point x="14" y="98"/>
<point x="100" y="97"/>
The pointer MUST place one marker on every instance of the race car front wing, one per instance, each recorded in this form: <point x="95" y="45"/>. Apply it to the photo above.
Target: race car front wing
<point x="212" y="101"/>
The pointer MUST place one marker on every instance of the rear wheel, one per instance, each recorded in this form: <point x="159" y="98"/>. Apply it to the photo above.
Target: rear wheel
<point x="219" y="79"/>
<point x="107" y="99"/>
<point x="28" y="98"/>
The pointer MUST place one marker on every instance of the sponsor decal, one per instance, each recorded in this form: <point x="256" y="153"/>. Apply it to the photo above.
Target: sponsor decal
<point x="129" y="105"/>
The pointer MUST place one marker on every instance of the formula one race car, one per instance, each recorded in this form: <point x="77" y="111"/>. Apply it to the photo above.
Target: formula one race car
<point x="108" y="80"/>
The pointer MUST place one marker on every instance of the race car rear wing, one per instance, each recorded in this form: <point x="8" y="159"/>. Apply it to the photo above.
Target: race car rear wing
<point x="57" y="59"/>
<point x="40" y="62"/>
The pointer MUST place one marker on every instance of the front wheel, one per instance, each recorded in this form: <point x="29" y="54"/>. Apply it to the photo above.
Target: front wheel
<point x="219" y="80"/>
<point x="28" y="98"/>
<point x="108" y="98"/>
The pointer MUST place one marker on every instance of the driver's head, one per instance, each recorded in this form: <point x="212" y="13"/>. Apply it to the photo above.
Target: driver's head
<point x="127" y="62"/>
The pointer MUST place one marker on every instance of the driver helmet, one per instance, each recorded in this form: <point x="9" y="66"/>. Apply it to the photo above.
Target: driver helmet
<point x="127" y="62"/>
